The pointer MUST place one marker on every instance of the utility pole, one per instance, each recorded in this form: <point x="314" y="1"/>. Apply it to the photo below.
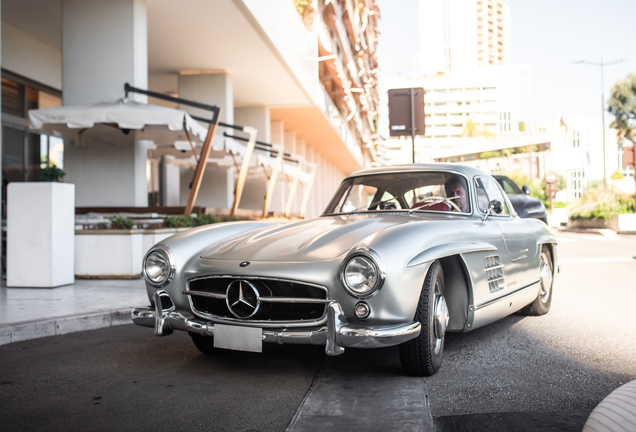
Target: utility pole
<point x="602" y="65"/>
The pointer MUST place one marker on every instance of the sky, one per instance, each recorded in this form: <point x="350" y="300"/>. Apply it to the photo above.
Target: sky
<point x="547" y="35"/>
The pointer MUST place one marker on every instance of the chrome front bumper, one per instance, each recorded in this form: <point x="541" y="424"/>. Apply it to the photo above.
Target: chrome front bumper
<point x="335" y="336"/>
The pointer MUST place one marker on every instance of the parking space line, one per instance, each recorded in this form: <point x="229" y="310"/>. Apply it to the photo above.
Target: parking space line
<point x="346" y="394"/>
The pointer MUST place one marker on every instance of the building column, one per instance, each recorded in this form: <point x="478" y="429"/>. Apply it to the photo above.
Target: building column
<point x="217" y="185"/>
<point x="104" y="45"/>
<point x="258" y="117"/>
<point x="170" y="181"/>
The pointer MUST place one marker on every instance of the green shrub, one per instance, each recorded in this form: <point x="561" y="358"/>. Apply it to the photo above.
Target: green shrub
<point x="178" y="221"/>
<point x="121" y="222"/>
<point x="51" y="174"/>
<point x="601" y="204"/>
<point x="616" y="175"/>
<point x="205" y="219"/>
<point x="558" y="204"/>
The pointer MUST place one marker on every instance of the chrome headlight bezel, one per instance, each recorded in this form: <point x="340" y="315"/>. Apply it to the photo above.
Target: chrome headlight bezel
<point x="376" y="261"/>
<point x="167" y="254"/>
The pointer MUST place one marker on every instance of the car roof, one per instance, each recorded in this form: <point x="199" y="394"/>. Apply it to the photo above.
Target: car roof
<point x="458" y="168"/>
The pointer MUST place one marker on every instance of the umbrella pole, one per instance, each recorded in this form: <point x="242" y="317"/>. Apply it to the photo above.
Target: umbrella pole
<point x="202" y="163"/>
<point x="272" y="179"/>
<point x="292" y="192"/>
<point x="249" y="149"/>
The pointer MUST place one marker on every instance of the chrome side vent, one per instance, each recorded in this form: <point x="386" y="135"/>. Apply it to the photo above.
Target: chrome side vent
<point x="495" y="273"/>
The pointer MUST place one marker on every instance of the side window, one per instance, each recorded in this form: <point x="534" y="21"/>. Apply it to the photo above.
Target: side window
<point x="488" y="190"/>
<point x="508" y="188"/>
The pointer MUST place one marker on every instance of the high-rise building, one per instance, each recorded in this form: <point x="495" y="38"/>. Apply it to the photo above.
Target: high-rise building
<point x="471" y="88"/>
<point x="463" y="34"/>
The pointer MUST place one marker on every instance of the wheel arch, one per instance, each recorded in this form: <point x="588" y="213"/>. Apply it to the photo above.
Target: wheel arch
<point x="457" y="291"/>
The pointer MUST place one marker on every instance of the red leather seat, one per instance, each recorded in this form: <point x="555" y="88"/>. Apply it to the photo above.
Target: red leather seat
<point x="439" y="206"/>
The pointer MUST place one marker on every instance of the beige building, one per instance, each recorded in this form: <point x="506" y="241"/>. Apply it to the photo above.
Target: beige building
<point x="463" y="34"/>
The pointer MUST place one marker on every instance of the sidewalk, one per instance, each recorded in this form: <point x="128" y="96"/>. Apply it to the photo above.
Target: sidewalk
<point x="30" y="313"/>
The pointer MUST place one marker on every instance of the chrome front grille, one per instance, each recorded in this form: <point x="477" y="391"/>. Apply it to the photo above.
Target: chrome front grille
<point x="495" y="273"/>
<point x="257" y="299"/>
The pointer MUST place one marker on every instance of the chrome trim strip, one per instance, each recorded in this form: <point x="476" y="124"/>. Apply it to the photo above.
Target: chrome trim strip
<point x="206" y="294"/>
<point x="495" y="267"/>
<point x="496" y="279"/>
<point x="489" y="302"/>
<point x="345" y="335"/>
<point x="294" y="300"/>
<point x="245" y="277"/>
<point x="263" y="299"/>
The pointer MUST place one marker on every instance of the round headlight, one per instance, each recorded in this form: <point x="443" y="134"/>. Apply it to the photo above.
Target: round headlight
<point x="361" y="275"/>
<point x="157" y="267"/>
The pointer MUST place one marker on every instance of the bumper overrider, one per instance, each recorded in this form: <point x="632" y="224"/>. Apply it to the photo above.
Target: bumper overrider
<point x="335" y="336"/>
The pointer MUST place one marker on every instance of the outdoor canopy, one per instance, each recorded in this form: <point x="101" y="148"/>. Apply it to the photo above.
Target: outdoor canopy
<point x="113" y="122"/>
<point x="173" y="132"/>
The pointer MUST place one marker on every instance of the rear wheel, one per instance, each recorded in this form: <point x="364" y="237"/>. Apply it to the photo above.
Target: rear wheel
<point x="423" y="355"/>
<point x="541" y="305"/>
<point x="205" y="344"/>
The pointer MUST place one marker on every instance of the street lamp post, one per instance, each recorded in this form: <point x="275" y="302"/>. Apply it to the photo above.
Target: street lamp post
<point x="602" y="65"/>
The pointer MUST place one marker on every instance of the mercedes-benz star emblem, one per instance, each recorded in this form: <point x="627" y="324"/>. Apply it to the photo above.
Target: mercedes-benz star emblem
<point x="244" y="264"/>
<point x="242" y="299"/>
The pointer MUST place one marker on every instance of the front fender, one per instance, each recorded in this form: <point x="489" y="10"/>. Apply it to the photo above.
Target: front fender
<point x="448" y="249"/>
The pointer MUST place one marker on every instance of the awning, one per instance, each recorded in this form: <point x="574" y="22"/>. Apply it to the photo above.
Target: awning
<point x="114" y="122"/>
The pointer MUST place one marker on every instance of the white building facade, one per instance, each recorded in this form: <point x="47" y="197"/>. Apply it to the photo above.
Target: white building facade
<point x="258" y="61"/>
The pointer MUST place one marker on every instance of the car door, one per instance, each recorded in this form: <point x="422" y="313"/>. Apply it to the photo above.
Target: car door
<point x="518" y="234"/>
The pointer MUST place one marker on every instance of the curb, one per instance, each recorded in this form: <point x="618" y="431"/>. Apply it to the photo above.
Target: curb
<point x="58" y="326"/>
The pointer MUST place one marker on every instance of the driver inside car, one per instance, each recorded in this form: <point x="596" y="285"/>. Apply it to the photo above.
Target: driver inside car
<point x="456" y="187"/>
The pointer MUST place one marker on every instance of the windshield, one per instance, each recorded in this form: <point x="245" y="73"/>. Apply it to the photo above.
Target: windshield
<point x="407" y="191"/>
<point x="508" y="185"/>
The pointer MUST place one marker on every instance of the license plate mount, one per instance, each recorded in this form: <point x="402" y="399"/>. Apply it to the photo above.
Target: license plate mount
<point x="238" y="338"/>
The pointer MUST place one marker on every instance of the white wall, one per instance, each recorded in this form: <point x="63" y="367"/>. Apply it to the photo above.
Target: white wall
<point x="285" y="30"/>
<point x="104" y="45"/>
<point x="27" y="56"/>
<point x="107" y="175"/>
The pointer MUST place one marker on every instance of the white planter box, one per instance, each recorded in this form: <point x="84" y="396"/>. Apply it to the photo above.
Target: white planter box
<point x="108" y="254"/>
<point x="115" y="254"/>
<point x="623" y="223"/>
<point x="40" y="234"/>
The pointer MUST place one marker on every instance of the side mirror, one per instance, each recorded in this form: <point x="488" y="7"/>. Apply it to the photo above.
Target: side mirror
<point x="494" y="206"/>
<point x="525" y="189"/>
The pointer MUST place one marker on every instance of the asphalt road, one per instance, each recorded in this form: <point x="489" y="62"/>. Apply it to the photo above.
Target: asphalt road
<point x="521" y="373"/>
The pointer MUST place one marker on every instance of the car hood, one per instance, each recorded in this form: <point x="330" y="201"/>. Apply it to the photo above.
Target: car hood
<point x="320" y="239"/>
<point x="522" y="201"/>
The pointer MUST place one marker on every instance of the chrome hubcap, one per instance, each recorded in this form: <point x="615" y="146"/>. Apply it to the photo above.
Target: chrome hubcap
<point x="440" y="321"/>
<point x="545" y="274"/>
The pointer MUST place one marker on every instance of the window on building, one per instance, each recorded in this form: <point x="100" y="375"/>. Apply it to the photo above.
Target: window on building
<point x="576" y="139"/>
<point x="626" y="171"/>
<point x="25" y="151"/>
<point x="576" y="182"/>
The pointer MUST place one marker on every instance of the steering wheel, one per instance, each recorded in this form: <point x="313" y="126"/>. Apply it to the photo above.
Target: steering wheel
<point x="438" y="199"/>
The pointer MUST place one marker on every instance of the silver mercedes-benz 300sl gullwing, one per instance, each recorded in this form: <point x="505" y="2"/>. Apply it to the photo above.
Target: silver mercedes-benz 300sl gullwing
<point x="401" y="255"/>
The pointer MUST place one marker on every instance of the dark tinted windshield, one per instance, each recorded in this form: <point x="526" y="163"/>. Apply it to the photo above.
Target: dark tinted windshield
<point x="416" y="191"/>
<point x="508" y="185"/>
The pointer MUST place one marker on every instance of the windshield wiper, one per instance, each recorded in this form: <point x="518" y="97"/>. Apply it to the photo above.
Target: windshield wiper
<point x="371" y="205"/>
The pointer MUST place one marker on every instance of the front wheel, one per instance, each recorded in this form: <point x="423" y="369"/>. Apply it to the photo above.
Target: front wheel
<point x="423" y="355"/>
<point x="541" y="305"/>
